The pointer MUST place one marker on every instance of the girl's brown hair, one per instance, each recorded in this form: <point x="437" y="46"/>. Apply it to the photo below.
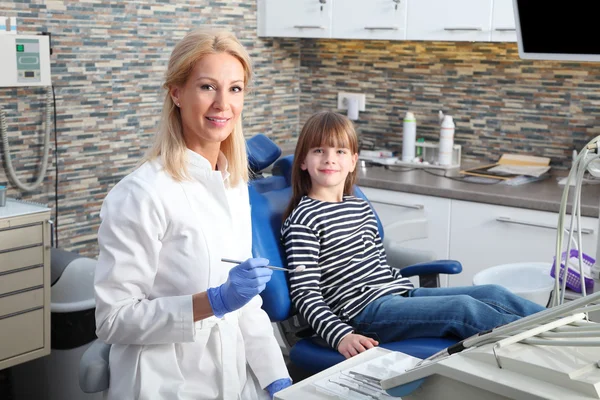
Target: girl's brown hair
<point x="325" y="128"/>
<point x="169" y="144"/>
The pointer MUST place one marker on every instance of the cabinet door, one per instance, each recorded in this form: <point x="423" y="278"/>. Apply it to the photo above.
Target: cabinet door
<point x="503" y="22"/>
<point x="295" y="18"/>
<point x="456" y="20"/>
<point x="484" y="235"/>
<point x="419" y="222"/>
<point x="375" y="19"/>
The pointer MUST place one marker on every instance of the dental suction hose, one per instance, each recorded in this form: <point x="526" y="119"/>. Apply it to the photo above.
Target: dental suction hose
<point x="11" y="172"/>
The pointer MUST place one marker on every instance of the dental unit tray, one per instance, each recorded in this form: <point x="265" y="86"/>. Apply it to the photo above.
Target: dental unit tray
<point x="363" y="381"/>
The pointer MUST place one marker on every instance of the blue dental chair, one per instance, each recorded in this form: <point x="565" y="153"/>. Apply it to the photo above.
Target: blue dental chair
<point x="269" y="196"/>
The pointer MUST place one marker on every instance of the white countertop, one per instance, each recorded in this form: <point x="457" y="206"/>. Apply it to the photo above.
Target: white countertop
<point x="17" y="208"/>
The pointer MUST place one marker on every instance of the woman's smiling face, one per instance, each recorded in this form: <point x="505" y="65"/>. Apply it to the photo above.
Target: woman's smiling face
<point x="211" y="101"/>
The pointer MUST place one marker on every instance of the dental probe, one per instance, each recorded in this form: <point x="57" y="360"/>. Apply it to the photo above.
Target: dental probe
<point x="299" y="268"/>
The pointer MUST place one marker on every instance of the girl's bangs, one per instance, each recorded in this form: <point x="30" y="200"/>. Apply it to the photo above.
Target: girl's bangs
<point x="332" y="136"/>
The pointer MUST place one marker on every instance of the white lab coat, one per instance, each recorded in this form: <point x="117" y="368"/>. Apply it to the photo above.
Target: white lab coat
<point x="160" y="242"/>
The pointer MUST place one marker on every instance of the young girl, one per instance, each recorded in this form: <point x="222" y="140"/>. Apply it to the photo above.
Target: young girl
<point x="348" y="293"/>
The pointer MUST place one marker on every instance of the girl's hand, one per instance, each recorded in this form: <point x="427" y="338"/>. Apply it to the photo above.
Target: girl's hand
<point x="352" y="344"/>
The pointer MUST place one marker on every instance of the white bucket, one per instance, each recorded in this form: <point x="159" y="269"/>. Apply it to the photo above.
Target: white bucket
<point x="530" y="280"/>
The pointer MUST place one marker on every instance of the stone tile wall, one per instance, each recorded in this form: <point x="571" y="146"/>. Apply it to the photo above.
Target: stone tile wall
<point x="500" y="103"/>
<point x="107" y="69"/>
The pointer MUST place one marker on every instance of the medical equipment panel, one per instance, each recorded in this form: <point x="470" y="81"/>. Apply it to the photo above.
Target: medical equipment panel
<point x="25" y="60"/>
<point x="24" y="282"/>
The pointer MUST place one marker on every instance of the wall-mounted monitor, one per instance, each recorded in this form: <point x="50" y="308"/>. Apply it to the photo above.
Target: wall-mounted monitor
<point x="552" y="30"/>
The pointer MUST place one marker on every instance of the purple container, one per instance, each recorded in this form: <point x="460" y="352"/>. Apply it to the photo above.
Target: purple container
<point x="573" y="277"/>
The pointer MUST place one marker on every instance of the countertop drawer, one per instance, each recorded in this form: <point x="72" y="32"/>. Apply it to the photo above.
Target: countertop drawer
<point x="21" y="280"/>
<point x="21" y="302"/>
<point x="21" y="334"/>
<point x="17" y="259"/>
<point x="21" y="237"/>
<point x="484" y="235"/>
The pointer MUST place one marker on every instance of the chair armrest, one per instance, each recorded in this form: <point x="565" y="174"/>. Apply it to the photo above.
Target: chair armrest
<point x="94" y="374"/>
<point x="432" y="268"/>
<point x="400" y="257"/>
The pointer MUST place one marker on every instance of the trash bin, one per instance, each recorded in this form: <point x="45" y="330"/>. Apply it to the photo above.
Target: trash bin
<point x="530" y="280"/>
<point x="73" y="330"/>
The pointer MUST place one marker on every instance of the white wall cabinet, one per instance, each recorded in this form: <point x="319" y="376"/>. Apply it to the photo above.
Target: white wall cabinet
<point x="484" y="235"/>
<point x="295" y="18"/>
<point x="420" y="222"/>
<point x="456" y="20"/>
<point x="503" y="22"/>
<point x="373" y="19"/>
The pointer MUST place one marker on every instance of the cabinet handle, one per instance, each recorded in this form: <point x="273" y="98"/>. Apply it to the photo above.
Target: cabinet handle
<point x="508" y="220"/>
<point x="381" y="28"/>
<point x="308" y="27"/>
<point x="506" y="29"/>
<point x="413" y="206"/>
<point x="463" y="29"/>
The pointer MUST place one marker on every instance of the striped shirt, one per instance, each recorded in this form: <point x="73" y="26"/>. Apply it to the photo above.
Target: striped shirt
<point x="346" y="267"/>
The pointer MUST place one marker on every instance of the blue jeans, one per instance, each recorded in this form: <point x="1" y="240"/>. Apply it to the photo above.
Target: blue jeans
<point x="437" y="312"/>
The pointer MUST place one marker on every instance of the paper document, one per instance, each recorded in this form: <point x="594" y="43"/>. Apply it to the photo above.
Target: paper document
<point x="528" y="170"/>
<point x="363" y="381"/>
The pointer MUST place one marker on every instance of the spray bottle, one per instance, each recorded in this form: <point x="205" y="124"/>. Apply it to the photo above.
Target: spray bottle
<point x="409" y="135"/>
<point x="446" y="139"/>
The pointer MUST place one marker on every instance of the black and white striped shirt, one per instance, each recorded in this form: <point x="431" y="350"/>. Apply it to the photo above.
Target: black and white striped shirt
<point x="346" y="268"/>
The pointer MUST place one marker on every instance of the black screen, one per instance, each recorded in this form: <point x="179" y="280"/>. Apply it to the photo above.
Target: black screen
<point x="570" y="27"/>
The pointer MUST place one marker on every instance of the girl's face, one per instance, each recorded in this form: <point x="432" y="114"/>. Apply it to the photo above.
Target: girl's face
<point x="328" y="168"/>
<point x="211" y="101"/>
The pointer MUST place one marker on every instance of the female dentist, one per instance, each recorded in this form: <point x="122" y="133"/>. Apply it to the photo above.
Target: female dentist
<point x="183" y="324"/>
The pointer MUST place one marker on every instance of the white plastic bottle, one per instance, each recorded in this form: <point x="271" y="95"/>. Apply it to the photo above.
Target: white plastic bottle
<point x="446" y="141"/>
<point x="409" y="136"/>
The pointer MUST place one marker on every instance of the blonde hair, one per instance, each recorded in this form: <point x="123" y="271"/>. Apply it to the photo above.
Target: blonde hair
<point x="169" y="144"/>
<point x="325" y="128"/>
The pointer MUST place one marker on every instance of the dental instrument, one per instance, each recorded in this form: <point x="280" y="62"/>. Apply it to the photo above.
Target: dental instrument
<point x="556" y="354"/>
<point x="299" y="268"/>
<point x="513" y="327"/>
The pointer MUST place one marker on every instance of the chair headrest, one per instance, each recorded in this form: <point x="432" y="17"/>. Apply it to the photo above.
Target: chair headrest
<point x="283" y="167"/>
<point x="262" y="152"/>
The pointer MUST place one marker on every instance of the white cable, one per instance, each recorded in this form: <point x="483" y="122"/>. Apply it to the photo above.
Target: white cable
<point x="559" y="235"/>
<point x="537" y="330"/>
<point x="577" y="167"/>
<point x="3" y="132"/>
<point x="557" y="295"/>
<point x="552" y="342"/>
<point x="576" y="214"/>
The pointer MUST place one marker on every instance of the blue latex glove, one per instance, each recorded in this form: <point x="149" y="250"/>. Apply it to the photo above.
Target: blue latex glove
<point x="245" y="281"/>
<point x="278" y="385"/>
